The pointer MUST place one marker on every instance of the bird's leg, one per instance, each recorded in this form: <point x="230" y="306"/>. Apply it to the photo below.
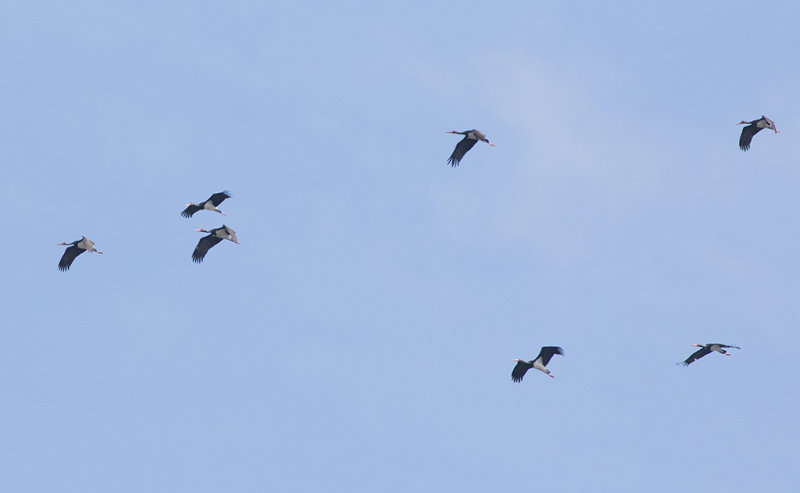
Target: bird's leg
<point x="551" y="375"/>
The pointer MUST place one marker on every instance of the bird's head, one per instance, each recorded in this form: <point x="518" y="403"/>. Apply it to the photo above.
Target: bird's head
<point x="743" y="123"/>
<point x="516" y="359"/>
<point x="452" y="132"/>
<point x="698" y="345"/>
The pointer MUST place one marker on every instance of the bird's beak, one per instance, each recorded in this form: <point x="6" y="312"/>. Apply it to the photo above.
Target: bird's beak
<point x="201" y="230"/>
<point x="741" y="122"/>
<point x="451" y="132"/>
<point x="63" y="243"/>
<point x="187" y="205"/>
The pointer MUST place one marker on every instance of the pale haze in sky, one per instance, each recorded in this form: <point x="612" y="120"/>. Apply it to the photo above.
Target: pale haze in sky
<point x="361" y="336"/>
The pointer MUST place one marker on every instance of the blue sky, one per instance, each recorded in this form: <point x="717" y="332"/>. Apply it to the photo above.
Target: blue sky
<point x="360" y="338"/>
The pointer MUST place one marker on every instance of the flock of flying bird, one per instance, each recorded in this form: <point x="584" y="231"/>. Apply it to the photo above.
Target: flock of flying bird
<point x="547" y="352"/>
<point x="214" y="235"/>
<point x="203" y="246"/>
<point x="471" y="137"/>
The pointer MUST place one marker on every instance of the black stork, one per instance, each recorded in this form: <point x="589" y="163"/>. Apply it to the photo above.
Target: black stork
<point x="753" y="128"/>
<point x="214" y="236"/>
<point x="76" y="248"/>
<point x="706" y="349"/>
<point x="540" y="363"/>
<point x="209" y="205"/>
<point x="465" y="144"/>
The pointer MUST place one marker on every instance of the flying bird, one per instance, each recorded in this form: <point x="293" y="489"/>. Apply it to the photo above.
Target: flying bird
<point x="214" y="236"/>
<point x="706" y="349"/>
<point x="209" y="205"/>
<point x="76" y="248"/>
<point x="753" y="128"/>
<point x="540" y="363"/>
<point x="465" y="144"/>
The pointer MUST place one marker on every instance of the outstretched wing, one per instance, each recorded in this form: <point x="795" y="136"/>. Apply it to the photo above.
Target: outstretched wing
<point x="461" y="148"/>
<point x="519" y="371"/>
<point x="217" y="198"/>
<point x="696" y="356"/>
<point x="547" y="352"/>
<point x="725" y="345"/>
<point x="69" y="256"/>
<point x="231" y="233"/>
<point x="747" y="135"/>
<point x="191" y="210"/>
<point x="203" y="246"/>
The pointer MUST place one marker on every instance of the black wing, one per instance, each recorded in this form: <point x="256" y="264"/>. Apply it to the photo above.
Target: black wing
<point x="68" y="257"/>
<point x="696" y="356"/>
<point x="747" y="135"/>
<point x="519" y="371"/>
<point x="547" y="352"/>
<point x="461" y="149"/>
<point x="203" y="246"/>
<point x="191" y="210"/>
<point x="217" y="198"/>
